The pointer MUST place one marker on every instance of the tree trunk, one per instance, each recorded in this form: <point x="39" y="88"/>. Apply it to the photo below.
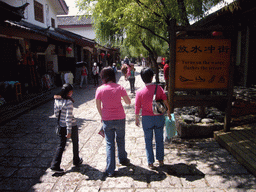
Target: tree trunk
<point x="153" y="57"/>
<point x="183" y="12"/>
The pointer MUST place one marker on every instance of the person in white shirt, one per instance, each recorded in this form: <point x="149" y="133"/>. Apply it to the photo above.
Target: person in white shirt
<point x="68" y="77"/>
<point x="95" y="72"/>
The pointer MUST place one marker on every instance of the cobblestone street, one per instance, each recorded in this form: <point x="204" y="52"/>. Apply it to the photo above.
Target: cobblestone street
<point x="27" y="145"/>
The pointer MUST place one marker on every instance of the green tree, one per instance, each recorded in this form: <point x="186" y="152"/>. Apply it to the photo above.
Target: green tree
<point x="143" y="23"/>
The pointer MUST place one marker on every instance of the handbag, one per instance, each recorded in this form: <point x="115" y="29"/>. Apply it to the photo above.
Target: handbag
<point x="158" y="106"/>
<point x="58" y="127"/>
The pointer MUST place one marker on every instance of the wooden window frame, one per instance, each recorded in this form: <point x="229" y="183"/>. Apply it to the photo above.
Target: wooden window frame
<point x="39" y="11"/>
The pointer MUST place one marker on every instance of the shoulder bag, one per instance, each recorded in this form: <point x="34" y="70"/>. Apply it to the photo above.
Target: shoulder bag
<point x="58" y="127"/>
<point x="158" y="106"/>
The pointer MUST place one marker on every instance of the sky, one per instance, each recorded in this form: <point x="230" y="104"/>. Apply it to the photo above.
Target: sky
<point x="74" y="11"/>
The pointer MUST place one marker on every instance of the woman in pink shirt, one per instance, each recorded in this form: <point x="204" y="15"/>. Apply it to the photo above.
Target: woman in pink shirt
<point x="108" y="102"/>
<point x="130" y="75"/>
<point x="151" y="123"/>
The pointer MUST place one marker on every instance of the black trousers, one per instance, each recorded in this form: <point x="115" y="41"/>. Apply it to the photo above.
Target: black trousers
<point x="95" y="78"/>
<point x="132" y="81"/>
<point x="61" y="146"/>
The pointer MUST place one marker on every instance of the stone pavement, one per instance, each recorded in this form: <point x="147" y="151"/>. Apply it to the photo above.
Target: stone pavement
<point x="27" y="145"/>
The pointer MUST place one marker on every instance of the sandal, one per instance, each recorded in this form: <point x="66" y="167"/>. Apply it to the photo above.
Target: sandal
<point x="161" y="163"/>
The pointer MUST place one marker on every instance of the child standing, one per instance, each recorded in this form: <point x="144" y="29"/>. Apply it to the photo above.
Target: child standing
<point x="63" y="106"/>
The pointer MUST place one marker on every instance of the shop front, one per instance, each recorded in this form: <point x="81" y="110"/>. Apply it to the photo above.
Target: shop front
<point x="31" y="59"/>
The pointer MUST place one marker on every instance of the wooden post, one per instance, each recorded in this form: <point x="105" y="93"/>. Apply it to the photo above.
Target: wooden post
<point x="172" y="47"/>
<point x="227" y="119"/>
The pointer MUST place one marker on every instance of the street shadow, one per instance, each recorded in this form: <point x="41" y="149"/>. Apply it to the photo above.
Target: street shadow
<point x="190" y="172"/>
<point x="85" y="169"/>
<point x="139" y="174"/>
<point x="182" y="170"/>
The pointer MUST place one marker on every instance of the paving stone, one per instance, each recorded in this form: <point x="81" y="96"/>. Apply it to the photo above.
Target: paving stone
<point x="42" y="187"/>
<point x="190" y="165"/>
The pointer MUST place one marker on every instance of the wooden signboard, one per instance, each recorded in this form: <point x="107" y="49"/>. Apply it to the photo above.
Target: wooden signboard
<point x="202" y="63"/>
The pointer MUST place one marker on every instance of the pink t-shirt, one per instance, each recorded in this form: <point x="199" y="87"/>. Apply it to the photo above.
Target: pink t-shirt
<point x="110" y="95"/>
<point x="144" y="99"/>
<point x="129" y="71"/>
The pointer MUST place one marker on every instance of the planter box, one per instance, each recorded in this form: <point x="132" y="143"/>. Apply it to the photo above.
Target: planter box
<point x="195" y="130"/>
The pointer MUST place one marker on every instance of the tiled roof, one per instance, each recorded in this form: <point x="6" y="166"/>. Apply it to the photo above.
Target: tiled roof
<point x="74" y="20"/>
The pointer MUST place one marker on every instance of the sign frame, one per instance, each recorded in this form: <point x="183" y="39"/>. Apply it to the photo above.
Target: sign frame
<point x="198" y="100"/>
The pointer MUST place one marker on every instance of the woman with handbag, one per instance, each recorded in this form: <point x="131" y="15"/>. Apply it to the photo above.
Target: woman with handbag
<point x="108" y="102"/>
<point x="151" y="123"/>
<point x="63" y="107"/>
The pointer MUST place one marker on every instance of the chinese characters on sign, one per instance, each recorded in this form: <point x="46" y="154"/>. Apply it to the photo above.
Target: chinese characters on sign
<point x="202" y="63"/>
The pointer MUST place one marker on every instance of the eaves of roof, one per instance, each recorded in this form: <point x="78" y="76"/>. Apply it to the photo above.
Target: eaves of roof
<point x="9" y="12"/>
<point x="225" y="16"/>
<point x="63" y="6"/>
<point x="39" y="30"/>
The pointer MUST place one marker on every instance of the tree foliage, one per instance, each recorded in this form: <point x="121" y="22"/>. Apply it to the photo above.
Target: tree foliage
<point x="142" y="23"/>
<point x="114" y="19"/>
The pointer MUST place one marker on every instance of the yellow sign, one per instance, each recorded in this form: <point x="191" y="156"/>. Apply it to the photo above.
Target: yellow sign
<point x="202" y="63"/>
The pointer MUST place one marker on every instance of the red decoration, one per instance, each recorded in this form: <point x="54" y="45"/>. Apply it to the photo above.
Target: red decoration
<point x="108" y="54"/>
<point x="163" y="61"/>
<point x="217" y="33"/>
<point x="69" y="49"/>
<point x="102" y="55"/>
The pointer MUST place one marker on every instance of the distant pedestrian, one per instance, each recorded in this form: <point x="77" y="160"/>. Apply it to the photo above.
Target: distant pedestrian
<point x="151" y="123"/>
<point x="84" y="73"/>
<point x="69" y="77"/>
<point x="114" y="67"/>
<point x="63" y="104"/>
<point x="126" y="60"/>
<point x="95" y="73"/>
<point x="130" y="76"/>
<point x="166" y="74"/>
<point x="108" y="102"/>
<point x="143" y="63"/>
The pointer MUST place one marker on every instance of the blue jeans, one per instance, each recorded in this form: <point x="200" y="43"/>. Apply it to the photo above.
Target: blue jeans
<point x="82" y="79"/>
<point x="154" y="124"/>
<point x="114" y="130"/>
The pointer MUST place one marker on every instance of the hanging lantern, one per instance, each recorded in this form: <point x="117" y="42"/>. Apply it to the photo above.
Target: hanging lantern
<point x="102" y="55"/>
<point x="163" y="61"/>
<point x="69" y="49"/>
<point x="108" y="54"/>
<point x="217" y="33"/>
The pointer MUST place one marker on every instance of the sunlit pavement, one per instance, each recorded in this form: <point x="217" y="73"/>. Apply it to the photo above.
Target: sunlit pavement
<point x="27" y="145"/>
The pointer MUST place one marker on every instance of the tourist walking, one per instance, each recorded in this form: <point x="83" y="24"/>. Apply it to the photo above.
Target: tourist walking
<point x="63" y="108"/>
<point x="151" y="123"/>
<point x="130" y="76"/>
<point x="166" y="74"/>
<point x="108" y="102"/>
<point x="84" y="73"/>
<point x="95" y="73"/>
